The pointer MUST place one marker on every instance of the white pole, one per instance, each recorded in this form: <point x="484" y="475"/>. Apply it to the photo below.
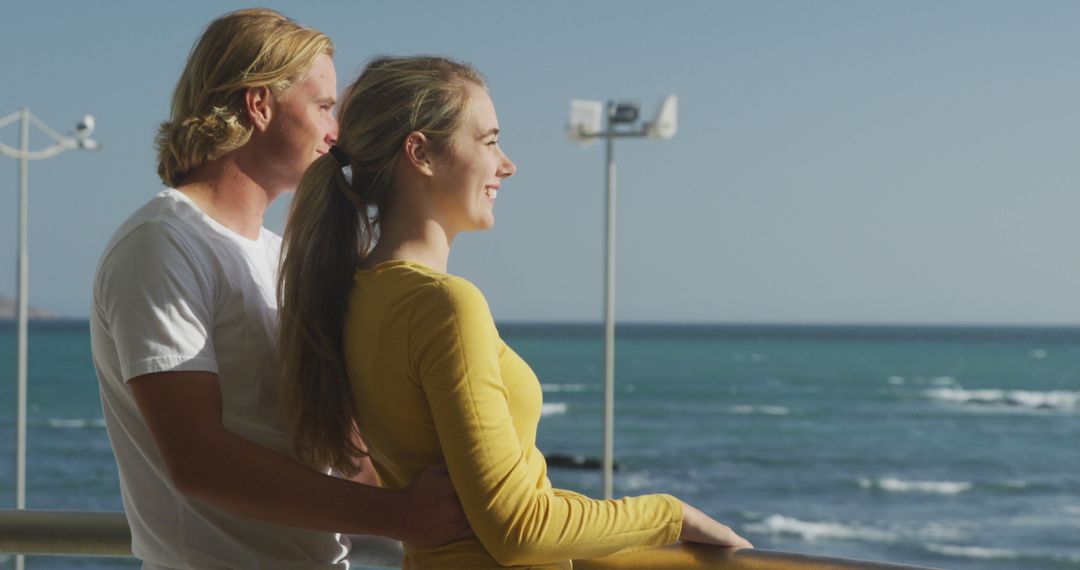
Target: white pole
<point x="22" y="294"/>
<point x="609" y="313"/>
<point x="23" y="155"/>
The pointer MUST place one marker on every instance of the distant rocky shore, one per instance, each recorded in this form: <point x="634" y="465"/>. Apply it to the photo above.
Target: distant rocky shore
<point x="7" y="310"/>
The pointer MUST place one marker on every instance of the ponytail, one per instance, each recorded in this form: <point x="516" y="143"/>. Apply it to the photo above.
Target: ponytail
<point x="324" y="236"/>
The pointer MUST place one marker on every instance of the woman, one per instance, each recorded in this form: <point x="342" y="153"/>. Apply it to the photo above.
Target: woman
<point x="377" y="338"/>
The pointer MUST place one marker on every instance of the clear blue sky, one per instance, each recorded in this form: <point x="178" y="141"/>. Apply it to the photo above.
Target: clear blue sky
<point x="865" y="162"/>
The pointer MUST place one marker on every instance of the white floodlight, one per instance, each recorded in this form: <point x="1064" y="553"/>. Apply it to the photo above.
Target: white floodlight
<point x="666" y="123"/>
<point x="585" y="119"/>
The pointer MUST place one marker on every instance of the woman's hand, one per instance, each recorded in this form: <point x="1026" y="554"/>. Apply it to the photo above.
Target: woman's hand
<point x="699" y="527"/>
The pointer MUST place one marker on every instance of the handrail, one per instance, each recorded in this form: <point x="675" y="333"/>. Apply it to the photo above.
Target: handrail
<point x="64" y="532"/>
<point x="690" y="556"/>
<point x="86" y="533"/>
<point x="75" y="533"/>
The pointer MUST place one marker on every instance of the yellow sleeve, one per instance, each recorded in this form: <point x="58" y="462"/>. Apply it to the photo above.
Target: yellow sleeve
<point x="455" y="347"/>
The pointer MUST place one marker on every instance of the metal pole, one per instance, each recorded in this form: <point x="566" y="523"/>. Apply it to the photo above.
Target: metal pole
<point x="22" y="294"/>
<point x="609" y="313"/>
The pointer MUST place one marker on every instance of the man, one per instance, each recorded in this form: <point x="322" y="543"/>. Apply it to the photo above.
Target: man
<point x="184" y="320"/>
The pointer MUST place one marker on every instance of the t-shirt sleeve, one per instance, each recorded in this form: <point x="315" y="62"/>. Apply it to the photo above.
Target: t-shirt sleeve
<point x="156" y="300"/>
<point x="455" y="344"/>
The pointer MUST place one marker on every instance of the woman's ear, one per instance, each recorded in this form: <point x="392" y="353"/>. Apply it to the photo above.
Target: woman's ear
<point x="257" y="107"/>
<point x="418" y="152"/>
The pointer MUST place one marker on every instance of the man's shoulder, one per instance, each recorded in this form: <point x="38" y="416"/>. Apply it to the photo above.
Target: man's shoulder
<point x="169" y="213"/>
<point x="157" y="232"/>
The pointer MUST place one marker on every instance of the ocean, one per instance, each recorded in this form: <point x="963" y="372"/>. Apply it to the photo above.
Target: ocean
<point x="947" y="447"/>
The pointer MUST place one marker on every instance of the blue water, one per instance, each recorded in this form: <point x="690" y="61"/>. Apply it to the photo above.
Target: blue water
<point x="947" y="447"/>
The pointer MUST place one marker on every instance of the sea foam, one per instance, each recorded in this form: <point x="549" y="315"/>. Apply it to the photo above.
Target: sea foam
<point x="978" y="552"/>
<point x="894" y="485"/>
<point x="563" y="387"/>
<point x="1060" y="400"/>
<point x="552" y="409"/>
<point x="764" y="410"/>
<point x="811" y="531"/>
<point x="75" y="423"/>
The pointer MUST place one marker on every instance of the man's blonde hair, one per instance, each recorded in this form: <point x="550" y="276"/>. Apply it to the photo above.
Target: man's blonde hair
<point x="240" y="50"/>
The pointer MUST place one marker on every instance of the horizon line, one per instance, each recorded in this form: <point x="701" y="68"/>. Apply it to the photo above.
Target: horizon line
<point x="4" y="320"/>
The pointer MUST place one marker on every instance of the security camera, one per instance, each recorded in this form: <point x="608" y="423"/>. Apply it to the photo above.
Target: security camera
<point x="624" y="112"/>
<point x="84" y="127"/>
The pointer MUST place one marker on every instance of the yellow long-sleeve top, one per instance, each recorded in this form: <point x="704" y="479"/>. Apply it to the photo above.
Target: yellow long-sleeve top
<point x="434" y="382"/>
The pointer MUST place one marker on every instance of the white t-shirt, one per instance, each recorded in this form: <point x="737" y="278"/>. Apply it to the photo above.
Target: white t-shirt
<point x="177" y="291"/>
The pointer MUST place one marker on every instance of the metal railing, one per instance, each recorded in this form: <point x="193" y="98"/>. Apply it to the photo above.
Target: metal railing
<point x="79" y="533"/>
<point x="68" y="533"/>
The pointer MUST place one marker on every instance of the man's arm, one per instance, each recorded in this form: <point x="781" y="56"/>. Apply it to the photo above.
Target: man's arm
<point x="366" y="475"/>
<point x="183" y="412"/>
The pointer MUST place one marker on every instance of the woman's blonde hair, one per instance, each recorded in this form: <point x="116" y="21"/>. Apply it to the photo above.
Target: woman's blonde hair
<point x="332" y="226"/>
<point x="242" y="49"/>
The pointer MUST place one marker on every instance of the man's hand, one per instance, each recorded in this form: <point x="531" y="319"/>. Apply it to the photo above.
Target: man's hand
<point x="434" y="513"/>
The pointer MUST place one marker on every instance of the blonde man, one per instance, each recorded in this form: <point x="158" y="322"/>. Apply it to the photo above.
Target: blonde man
<point x="184" y="320"/>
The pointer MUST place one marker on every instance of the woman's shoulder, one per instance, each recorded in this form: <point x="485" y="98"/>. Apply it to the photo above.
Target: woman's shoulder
<point x="442" y="297"/>
<point x="455" y="293"/>
<point x="449" y="310"/>
<point x="426" y="286"/>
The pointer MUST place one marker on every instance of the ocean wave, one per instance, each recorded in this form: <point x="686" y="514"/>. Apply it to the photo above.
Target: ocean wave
<point x="979" y="552"/>
<point x="812" y="531"/>
<point x="552" y="409"/>
<point x="763" y="410"/>
<point x="564" y="387"/>
<point x="636" y="481"/>
<point x="897" y="380"/>
<point x="931" y="531"/>
<point x="75" y="423"/>
<point x="1059" y="400"/>
<point x="1010" y="485"/>
<point x="894" y="485"/>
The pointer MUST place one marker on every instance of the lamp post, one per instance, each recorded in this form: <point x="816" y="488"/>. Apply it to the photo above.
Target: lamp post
<point x="585" y="128"/>
<point x="79" y="139"/>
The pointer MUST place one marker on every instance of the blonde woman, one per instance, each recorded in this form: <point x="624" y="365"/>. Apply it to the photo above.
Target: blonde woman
<point x="377" y="336"/>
